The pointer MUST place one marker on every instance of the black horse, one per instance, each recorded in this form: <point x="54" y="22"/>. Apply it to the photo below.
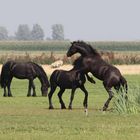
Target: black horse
<point x="68" y="80"/>
<point x="23" y="70"/>
<point x="91" y="61"/>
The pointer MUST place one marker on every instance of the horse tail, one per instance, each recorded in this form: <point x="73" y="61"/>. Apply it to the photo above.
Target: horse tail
<point x="4" y="74"/>
<point x="124" y="83"/>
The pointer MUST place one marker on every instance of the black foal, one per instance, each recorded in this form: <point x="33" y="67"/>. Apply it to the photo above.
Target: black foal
<point x="68" y="80"/>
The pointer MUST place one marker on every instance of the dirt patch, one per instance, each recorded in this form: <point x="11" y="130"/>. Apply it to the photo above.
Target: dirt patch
<point x="129" y="69"/>
<point x="125" y="69"/>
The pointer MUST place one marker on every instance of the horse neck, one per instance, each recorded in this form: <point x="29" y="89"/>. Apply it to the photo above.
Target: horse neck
<point x="87" y="51"/>
<point x="83" y="52"/>
<point x="42" y="77"/>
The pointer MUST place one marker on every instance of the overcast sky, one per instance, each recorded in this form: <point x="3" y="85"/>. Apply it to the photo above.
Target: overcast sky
<point x="82" y="19"/>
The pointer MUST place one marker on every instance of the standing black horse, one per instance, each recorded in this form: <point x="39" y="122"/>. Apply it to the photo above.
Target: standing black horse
<point x="23" y="70"/>
<point x="68" y="80"/>
<point x="91" y="61"/>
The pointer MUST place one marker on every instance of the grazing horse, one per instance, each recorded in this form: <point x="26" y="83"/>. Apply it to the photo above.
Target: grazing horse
<point x="91" y="61"/>
<point x="23" y="70"/>
<point x="68" y="80"/>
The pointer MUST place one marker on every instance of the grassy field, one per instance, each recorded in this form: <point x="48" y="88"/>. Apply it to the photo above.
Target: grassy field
<point x="28" y="118"/>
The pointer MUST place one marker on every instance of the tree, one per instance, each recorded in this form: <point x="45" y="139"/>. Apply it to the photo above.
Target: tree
<point x="3" y="33"/>
<point x="37" y="32"/>
<point x="23" y="32"/>
<point x="57" y="32"/>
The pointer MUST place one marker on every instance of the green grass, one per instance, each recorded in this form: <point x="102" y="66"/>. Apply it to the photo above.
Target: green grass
<point x="28" y="118"/>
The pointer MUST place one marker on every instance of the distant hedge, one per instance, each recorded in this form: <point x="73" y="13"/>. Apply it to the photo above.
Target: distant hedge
<point x="64" y="45"/>
<point x="117" y="46"/>
<point x="33" y="45"/>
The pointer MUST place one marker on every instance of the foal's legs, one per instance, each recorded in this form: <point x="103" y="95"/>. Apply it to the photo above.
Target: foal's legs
<point x="71" y="98"/>
<point x="85" y="103"/>
<point x="60" y="98"/>
<point x="109" y="99"/>
<point x="53" y="88"/>
<point x="90" y="79"/>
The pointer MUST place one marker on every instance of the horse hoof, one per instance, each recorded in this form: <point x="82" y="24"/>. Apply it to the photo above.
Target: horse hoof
<point x="86" y="111"/>
<point x="63" y="107"/>
<point x="70" y="108"/>
<point x="104" y="108"/>
<point x="51" y="107"/>
<point x="10" y="96"/>
<point x="34" y="96"/>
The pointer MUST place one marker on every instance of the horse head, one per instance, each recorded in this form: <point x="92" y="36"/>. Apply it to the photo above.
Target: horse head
<point x="42" y="76"/>
<point x="73" y="49"/>
<point x="81" y="47"/>
<point x="44" y="89"/>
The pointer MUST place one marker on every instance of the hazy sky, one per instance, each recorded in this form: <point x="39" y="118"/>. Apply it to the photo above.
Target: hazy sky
<point x="82" y="19"/>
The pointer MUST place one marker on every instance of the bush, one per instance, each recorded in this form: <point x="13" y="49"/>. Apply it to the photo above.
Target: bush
<point x="130" y="105"/>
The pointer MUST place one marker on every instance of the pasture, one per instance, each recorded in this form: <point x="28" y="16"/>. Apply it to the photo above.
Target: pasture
<point x="29" y="118"/>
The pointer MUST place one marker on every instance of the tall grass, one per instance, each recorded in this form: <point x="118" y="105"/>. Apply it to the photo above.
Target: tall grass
<point x="50" y="57"/>
<point x="121" y="58"/>
<point x="131" y="105"/>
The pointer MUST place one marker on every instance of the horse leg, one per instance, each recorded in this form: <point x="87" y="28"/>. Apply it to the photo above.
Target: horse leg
<point x="109" y="99"/>
<point x="71" y="98"/>
<point x="53" y="88"/>
<point x="90" y="79"/>
<point x="29" y="88"/>
<point x="8" y="87"/>
<point x="4" y="94"/>
<point x="85" y="103"/>
<point x="60" y="98"/>
<point x="33" y="86"/>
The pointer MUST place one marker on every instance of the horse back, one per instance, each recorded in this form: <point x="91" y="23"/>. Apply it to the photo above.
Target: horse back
<point x="66" y="79"/>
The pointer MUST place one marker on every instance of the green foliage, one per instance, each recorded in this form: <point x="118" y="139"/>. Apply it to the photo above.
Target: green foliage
<point x="3" y="33"/>
<point x="117" y="46"/>
<point x="112" y="57"/>
<point x="57" y="32"/>
<point x="37" y="32"/>
<point x="34" y="45"/>
<point x="23" y="32"/>
<point x="64" y="45"/>
<point x="131" y="105"/>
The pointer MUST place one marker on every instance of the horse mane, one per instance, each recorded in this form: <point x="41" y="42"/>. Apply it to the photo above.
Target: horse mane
<point x="86" y="46"/>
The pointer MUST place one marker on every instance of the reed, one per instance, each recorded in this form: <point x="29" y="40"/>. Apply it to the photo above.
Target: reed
<point x="131" y="105"/>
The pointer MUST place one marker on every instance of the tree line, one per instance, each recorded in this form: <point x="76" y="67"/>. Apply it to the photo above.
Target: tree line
<point x="36" y="33"/>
